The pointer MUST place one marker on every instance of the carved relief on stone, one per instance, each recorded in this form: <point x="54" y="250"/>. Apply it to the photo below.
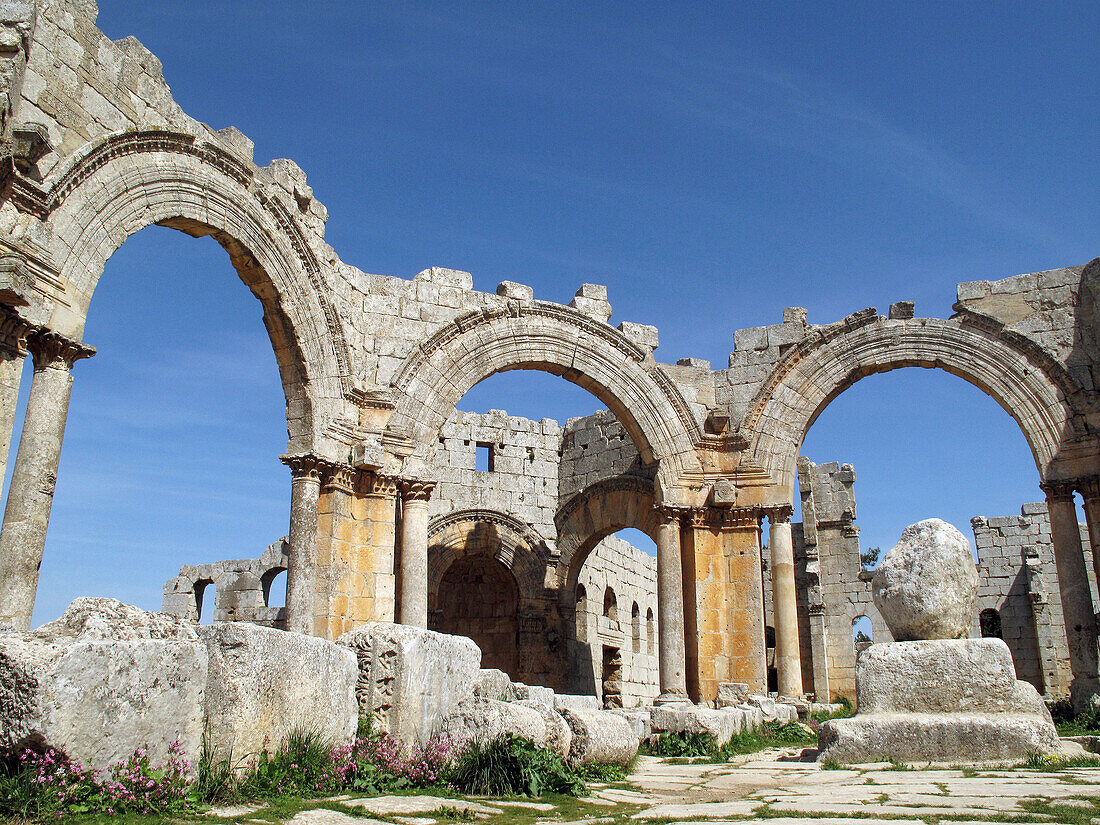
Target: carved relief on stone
<point x="13" y="332"/>
<point x="376" y="484"/>
<point x="1058" y="491"/>
<point x="305" y="465"/>
<point x="413" y="489"/>
<point x="52" y="350"/>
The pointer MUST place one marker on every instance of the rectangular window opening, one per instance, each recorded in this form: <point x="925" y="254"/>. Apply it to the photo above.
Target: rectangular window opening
<point x="484" y="461"/>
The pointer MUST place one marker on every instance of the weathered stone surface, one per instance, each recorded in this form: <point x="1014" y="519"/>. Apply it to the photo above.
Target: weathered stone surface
<point x="731" y="694"/>
<point x="926" y="585"/>
<point x="534" y="693"/>
<point x="640" y="719"/>
<point x="264" y="683"/>
<point x="723" y="725"/>
<point x="410" y="678"/>
<point x="600" y="736"/>
<point x="483" y="720"/>
<point x="102" y="680"/>
<point x="559" y="736"/>
<point x="935" y="737"/>
<point x="494" y="684"/>
<point x="943" y="676"/>
<point x="574" y="701"/>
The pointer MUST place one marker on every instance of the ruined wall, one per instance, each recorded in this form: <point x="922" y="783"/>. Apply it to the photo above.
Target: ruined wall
<point x="594" y="448"/>
<point x="1018" y="578"/>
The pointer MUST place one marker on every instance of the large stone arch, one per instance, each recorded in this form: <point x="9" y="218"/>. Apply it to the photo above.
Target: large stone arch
<point x="1029" y="385"/>
<point x="128" y="181"/>
<point x="591" y="516"/>
<point x="564" y="342"/>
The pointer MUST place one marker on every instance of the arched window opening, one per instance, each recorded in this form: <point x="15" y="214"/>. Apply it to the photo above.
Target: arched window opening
<point x="636" y="627"/>
<point x="989" y="622"/>
<point x="862" y="632"/>
<point x="274" y="584"/>
<point x="610" y="608"/>
<point x="650" y="633"/>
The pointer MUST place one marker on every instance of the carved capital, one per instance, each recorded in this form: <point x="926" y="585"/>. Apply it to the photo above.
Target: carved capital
<point x="666" y="514"/>
<point x="377" y="484"/>
<point x="13" y="332"/>
<point x="415" y="489"/>
<point x="1058" y="491"/>
<point x="305" y="465"/>
<point x="52" y="350"/>
<point x="1089" y="488"/>
<point x="779" y="514"/>
<point x="340" y="477"/>
<point x="741" y="517"/>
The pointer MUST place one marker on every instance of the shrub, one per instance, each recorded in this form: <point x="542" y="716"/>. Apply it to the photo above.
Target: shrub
<point x="39" y="784"/>
<point x="510" y="765"/>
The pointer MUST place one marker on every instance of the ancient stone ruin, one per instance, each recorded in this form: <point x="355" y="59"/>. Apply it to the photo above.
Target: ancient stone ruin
<point x="389" y="519"/>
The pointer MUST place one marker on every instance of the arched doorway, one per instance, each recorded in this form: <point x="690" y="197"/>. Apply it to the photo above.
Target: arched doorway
<point x="478" y="597"/>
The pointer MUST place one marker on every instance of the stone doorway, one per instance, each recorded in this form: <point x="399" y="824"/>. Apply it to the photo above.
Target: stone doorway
<point x="479" y="598"/>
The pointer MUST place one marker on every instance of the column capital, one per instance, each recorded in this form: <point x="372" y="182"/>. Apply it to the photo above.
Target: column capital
<point x="415" y="489"/>
<point x="305" y="465"/>
<point x="378" y="484"/>
<point x="1058" y="491"/>
<point x="779" y="514"/>
<point x="668" y="513"/>
<point x="52" y="350"/>
<point x="1089" y="488"/>
<point x="14" y="330"/>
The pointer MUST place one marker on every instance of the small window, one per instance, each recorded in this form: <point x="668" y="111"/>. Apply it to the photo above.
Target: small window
<point x="862" y="632"/>
<point x="484" y="462"/>
<point x="650" y="635"/>
<point x="989" y="620"/>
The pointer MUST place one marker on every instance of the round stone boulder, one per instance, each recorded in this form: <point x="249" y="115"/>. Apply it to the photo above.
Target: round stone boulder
<point x="926" y="585"/>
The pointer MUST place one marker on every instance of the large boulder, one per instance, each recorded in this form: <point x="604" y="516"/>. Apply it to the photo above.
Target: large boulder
<point x="483" y="720"/>
<point x="495" y="684"/>
<point x="103" y="680"/>
<point x="411" y="678"/>
<point x="926" y="584"/>
<point x="943" y="700"/>
<point x="264" y="683"/>
<point x="600" y="736"/>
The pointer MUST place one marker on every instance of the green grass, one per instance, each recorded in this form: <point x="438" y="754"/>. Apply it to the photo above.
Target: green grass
<point x="702" y="745"/>
<point x="1041" y="762"/>
<point x="511" y="766"/>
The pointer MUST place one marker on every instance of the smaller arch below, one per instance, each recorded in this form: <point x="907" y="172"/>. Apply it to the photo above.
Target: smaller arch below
<point x="581" y="614"/>
<point x="989" y="624"/>
<point x="610" y="606"/>
<point x="206" y="593"/>
<point x="636" y="627"/>
<point x="650" y="633"/>
<point x="862" y="632"/>
<point x="274" y="587"/>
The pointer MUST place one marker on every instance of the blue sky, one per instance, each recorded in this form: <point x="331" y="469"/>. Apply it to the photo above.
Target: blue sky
<point x="710" y="163"/>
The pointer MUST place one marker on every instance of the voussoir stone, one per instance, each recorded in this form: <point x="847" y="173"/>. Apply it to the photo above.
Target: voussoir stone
<point x="926" y="584"/>
<point x="104" y="679"/>
<point x="411" y="678"/>
<point x="264" y="683"/>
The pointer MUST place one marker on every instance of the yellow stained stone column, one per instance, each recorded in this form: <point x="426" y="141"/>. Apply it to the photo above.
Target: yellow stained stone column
<point x="788" y="659"/>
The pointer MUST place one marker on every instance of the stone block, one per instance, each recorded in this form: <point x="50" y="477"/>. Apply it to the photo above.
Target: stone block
<point x="410" y="678"/>
<point x="640" y="719"/>
<point x="732" y="694"/>
<point x="101" y="681"/>
<point x="494" y="684"/>
<point x="644" y="335"/>
<point x="264" y="683"/>
<point x="518" y="292"/>
<point x="901" y="311"/>
<point x="534" y="693"/>
<point x="446" y="277"/>
<point x="932" y="737"/>
<point x="600" y="736"/>
<point x="574" y="701"/>
<point x="559" y="736"/>
<point x="484" y="720"/>
<point x="755" y="338"/>
<point x="722" y="725"/>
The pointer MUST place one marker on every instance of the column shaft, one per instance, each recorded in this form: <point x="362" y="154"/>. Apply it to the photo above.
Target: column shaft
<point x="11" y="370"/>
<point x="1090" y="494"/>
<point x="305" y="491"/>
<point x="672" y="653"/>
<point x="30" y="497"/>
<point x="414" y="553"/>
<point x="788" y="659"/>
<point x="1073" y="586"/>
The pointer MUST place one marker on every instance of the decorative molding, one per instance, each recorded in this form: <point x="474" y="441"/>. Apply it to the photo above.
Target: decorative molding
<point x="305" y="465"/>
<point x="1058" y="491"/>
<point x="415" y="489"/>
<point x="52" y="350"/>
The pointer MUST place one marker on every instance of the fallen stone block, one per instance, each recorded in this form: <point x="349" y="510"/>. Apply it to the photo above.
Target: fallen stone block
<point x="559" y="736"/>
<point x="483" y="720"/>
<point x="411" y="678"/>
<point x="721" y="725"/>
<point x="575" y="701"/>
<point x="534" y="693"/>
<point x="262" y="684"/>
<point x="732" y="694"/>
<point x="494" y="684"/>
<point x="104" y="679"/>
<point x="600" y="736"/>
<point x="640" y="719"/>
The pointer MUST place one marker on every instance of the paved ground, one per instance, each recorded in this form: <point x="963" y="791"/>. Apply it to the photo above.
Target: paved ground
<point x="770" y="786"/>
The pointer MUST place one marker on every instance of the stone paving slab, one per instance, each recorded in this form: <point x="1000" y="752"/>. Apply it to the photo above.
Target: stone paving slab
<point x="323" y="816"/>
<point x="390" y="805"/>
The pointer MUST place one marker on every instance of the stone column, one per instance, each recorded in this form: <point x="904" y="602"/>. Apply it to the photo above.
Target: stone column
<point x="1073" y="585"/>
<point x="305" y="490"/>
<point x="414" y="551"/>
<point x="1089" y="489"/>
<point x="788" y="659"/>
<point x="672" y="652"/>
<point x="13" y="349"/>
<point x="30" y="497"/>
